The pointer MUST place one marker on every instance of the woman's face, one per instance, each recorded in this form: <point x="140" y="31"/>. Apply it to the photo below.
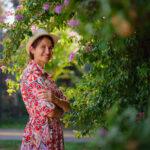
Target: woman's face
<point x="43" y="51"/>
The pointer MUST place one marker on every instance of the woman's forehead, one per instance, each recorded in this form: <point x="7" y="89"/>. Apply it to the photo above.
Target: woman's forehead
<point x="45" y="41"/>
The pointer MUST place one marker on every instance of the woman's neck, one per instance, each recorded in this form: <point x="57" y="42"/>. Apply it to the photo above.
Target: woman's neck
<point x="39" y="63"/>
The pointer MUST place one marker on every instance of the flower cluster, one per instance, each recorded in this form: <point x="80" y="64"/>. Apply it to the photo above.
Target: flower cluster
<point x="20" y="7"/>
<point x="72" y="54"/>
<point x="75" y="35"/>
<point x="73" y="22"/>
<point x="58" y="9"/>
<point x="2" y="18"/>
<point x="66" y="2"/>
<point x="7" y="14"/>
<point x="46" y="6"/>
<point x="34" y="28"/>
<point x="7" y="80"/>
<point x="3" y="67"/>
<point x="19" y="17"/>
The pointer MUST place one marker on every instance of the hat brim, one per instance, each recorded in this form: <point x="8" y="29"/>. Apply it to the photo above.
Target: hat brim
<point x="33" y="38"/>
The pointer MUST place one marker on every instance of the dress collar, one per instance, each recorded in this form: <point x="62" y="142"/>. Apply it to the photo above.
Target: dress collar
<point x="36" y="66"/>
<point x="40" y="69"/>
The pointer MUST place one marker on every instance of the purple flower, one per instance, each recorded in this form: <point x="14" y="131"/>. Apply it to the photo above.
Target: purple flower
<point x="103" y="132"/>
<point x="3" y="67"/>
<point x="19" y="17"/>
<point x="34" y="28"/>
<point x="73" y="34"/>
<point x="71" y="56"/>
<point x="46" y="6"/>
<point x="2" y="18"/>
<point x="19" y="7"/>
<point x="73" y="53"/>
<point x="73" y="23"/>
<point x="58" y="9"/>
<point x="9" y="13"/>
<point x="66" y="2"/>
<point x="7" y="79"/>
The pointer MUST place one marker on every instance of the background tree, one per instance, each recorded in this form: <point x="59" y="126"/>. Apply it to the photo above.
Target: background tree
<point x="117" y="51"/>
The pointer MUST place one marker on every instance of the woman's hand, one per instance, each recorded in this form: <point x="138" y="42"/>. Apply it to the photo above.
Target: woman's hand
<point x="45" y="94"/>
<point x="56" y="113"/>
<point x="62" y="103"/>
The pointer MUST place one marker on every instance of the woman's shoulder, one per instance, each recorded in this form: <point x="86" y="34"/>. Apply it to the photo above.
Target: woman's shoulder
<point x="30" y="73"/>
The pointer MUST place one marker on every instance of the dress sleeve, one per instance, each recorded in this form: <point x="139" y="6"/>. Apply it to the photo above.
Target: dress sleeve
<point x="60" y="94"/>
<point x="38" y="106"/>
<point x="58" y="91"/>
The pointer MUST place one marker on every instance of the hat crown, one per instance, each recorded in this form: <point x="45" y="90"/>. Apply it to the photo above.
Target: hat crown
<point x="40" y="31"/>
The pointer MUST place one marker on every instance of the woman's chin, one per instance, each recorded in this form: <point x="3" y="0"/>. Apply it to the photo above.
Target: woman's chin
<point x="46" y="60"/>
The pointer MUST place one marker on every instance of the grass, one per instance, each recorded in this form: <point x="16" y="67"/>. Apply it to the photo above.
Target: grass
<point x="9" y="145"/>
<point x="15" y="145"/>
<point x="12" y="123"/>
<point x="20" y="124"/>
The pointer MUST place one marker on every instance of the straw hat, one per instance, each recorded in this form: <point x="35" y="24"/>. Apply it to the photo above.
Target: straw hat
<point x="38" y="33"/>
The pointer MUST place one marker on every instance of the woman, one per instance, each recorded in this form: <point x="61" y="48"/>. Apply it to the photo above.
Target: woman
<point x="44" y="101"/>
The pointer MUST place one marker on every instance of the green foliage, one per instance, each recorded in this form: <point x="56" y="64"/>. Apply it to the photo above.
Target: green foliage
<point x="118" y="61"/>
<point x="130" y="130"/>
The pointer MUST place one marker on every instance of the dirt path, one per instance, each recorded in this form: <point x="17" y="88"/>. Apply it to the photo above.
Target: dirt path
<point x="16" y="134"/>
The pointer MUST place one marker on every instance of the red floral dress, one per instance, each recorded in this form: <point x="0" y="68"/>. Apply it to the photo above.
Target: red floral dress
<point x="41" y="132"/>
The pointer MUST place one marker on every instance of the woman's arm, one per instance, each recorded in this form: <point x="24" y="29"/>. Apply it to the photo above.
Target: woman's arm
<point x="30" y="89"/>
<point x="62" y="103"/>
<point x="56" y="113"/>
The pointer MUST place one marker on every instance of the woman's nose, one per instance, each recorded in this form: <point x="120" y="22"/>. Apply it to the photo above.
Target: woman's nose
<point x="47" y="50"/>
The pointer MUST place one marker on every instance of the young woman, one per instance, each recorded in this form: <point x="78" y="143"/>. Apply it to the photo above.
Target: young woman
<point x="44" y="101"/>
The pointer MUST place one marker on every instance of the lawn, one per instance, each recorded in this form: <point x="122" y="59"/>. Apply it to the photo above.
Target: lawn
<point x="14" y="145"/>
<point x="18" y="123"/>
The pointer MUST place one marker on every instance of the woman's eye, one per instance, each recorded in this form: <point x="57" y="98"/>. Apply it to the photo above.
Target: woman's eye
<point x="43" y="47"/>
<point x="50" y="48"/>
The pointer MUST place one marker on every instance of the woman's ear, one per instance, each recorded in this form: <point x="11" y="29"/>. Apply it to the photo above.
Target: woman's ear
<point x="31" y="49"/>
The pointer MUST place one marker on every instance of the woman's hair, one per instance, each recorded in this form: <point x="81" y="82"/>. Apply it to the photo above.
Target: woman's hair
<point x="37" y="41"/>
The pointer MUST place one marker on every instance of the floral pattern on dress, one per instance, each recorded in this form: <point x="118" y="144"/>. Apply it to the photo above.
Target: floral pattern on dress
<point x="41" y="132"/>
